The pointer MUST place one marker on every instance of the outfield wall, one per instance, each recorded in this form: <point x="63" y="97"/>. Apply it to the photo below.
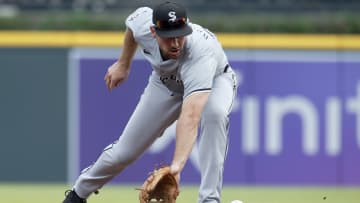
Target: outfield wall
<point x="296" y="119"/>
<point x="33" y="92"/>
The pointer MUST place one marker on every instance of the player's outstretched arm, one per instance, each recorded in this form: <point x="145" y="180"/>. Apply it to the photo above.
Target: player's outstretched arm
<point x="187" y="129"/>
<point x="119" y="71"/>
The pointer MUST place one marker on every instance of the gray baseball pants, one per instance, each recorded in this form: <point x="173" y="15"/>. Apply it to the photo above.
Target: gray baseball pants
<point x="157" y="109"/>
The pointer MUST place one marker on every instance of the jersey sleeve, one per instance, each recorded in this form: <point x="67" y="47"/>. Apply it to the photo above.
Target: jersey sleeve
<point x="139" y="22"/>
<point x="199" y="75"/>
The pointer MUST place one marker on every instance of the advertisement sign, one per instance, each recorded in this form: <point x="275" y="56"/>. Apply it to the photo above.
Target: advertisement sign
<point x="294" y="122"/>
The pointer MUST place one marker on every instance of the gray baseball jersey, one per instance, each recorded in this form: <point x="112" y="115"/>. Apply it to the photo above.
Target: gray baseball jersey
<point x="202" y="66"/>
<point x="201" y="60"/>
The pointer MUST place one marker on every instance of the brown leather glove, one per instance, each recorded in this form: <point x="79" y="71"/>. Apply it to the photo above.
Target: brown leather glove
<point x="160" y="186"/>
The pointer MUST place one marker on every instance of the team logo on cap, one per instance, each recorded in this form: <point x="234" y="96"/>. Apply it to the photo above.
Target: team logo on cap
<point x="172" y="16"/>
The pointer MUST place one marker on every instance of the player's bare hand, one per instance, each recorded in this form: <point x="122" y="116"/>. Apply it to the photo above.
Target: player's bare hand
<point x="115" y="75"/>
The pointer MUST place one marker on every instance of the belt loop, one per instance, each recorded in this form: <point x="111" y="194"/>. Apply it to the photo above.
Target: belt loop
<point x="226" y="68"/>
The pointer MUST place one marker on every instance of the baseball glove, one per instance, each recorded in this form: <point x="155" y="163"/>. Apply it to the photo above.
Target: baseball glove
<point x="161" y="186"/>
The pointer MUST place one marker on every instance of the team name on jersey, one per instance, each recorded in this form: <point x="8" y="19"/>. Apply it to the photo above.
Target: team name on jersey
<point x="167" y="78"/>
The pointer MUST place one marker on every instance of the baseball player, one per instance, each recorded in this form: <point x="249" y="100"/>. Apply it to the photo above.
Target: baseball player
<point x="192" y="82"/>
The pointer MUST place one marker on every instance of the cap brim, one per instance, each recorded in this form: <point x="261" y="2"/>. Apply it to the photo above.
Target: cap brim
<point x="178" y="32"/>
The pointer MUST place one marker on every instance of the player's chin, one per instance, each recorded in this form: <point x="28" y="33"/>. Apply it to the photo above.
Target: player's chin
<point x="174" y="54"/>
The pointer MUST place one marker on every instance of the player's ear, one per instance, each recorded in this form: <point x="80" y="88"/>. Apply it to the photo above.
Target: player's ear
<point x="152" y="30"/>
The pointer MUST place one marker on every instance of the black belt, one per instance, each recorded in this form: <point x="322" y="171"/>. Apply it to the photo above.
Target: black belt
<point x="226" y="68"/>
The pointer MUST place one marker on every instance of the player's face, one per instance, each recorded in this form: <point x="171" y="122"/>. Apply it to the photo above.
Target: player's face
<point x="171" y="47"/>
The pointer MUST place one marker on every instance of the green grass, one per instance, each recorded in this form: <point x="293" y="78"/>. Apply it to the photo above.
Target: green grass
<point x="54" y="193"/>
